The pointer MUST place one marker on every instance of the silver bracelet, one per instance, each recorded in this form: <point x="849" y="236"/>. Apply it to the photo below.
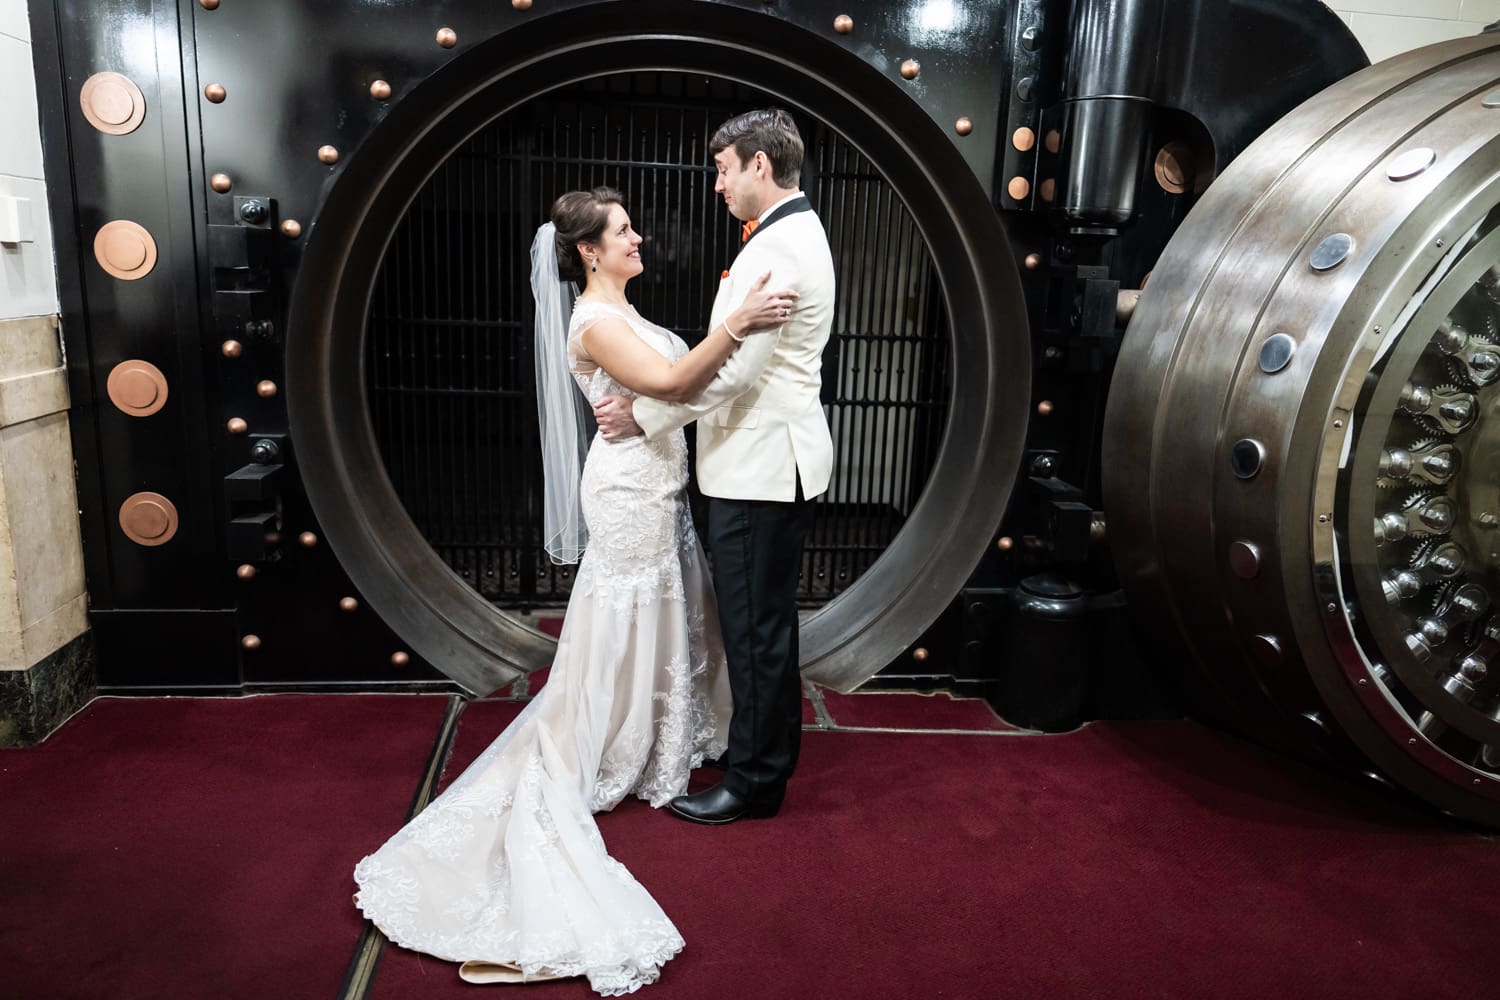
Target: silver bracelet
<point x="725" y="325"/>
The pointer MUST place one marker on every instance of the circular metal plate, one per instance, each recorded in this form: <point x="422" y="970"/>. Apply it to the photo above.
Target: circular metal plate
<point x="125" y="249"/>
<point x="137" y="388"/>
<point x="1276" y="353"/>
<point x="112" y="103"/>
<point x="148" y="519"/>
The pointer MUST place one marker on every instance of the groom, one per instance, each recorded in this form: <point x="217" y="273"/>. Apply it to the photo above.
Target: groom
<point x="764" y="452"/>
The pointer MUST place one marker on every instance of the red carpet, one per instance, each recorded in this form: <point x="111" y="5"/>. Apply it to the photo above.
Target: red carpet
<point x="185" y="848"/>
<point x="1123" y="860"/>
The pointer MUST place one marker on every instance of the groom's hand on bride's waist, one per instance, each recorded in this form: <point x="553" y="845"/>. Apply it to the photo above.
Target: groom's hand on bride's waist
<point x="615" y="418"/>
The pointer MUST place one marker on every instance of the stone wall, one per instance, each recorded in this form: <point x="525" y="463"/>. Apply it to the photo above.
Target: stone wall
<point x="46" y="658"/>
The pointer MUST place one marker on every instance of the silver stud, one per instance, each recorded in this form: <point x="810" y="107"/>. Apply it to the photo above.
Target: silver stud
<point x="1492" y="100"/>
<point x="1409" y="164"/>
<point x="1276" y="353"/>
<point x="1244" y="559"/>
<point x="1246" y="457"/>
<point x="1332" y="252"/>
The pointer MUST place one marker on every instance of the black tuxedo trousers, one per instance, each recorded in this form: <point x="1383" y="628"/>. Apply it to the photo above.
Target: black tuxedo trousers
<point x="757" y="550"/>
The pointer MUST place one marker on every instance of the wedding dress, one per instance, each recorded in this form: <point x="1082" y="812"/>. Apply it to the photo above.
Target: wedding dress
<point x="507" y="865"/>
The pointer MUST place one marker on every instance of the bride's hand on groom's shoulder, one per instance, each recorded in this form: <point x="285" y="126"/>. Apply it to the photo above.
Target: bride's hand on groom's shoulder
<point x="763" y="310"/>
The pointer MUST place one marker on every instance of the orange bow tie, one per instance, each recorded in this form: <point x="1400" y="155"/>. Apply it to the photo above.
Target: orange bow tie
<point x="748" y="228"/>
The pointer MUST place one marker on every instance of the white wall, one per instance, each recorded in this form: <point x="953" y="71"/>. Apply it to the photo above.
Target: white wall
<point x="28" y="279"/>
<point x="1389" y="27"/>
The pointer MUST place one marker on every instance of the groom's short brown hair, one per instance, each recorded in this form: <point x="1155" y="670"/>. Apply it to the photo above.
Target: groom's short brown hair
<point x="771" y="131"/>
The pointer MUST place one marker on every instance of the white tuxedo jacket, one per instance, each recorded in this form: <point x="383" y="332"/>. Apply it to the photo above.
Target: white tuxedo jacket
<point x="760" y="421"/>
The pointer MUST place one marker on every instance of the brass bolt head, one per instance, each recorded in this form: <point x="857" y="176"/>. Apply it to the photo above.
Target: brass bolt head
<point x="348" y="604"/>
<point x="400" y="658"/>
<point x="843" y="24"/>
<point x="380" y="90"/>
<point x="447" y="37"/>
<point x="265" y="389"/>
<point x="250" y="642"/>
<point x="231" y="348"/>
<point x="307" y="539"/>
<point x="291" y="229"/>
<point x="237" y="425"/>
<point x="964" y="125"/>
<point x="910" y="68"/>
<point x="328" y="154"/>
<point x="220" y="183"/>
<point x="215" y="92"/>
<point x="245" y="572"/>
<point x="1045" y="408"/>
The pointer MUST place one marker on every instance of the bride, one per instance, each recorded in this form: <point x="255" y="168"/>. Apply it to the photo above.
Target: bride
<point x="506" y="871"/>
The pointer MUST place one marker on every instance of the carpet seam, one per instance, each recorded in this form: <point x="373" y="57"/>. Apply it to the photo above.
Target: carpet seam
<point x="365" y="962"/>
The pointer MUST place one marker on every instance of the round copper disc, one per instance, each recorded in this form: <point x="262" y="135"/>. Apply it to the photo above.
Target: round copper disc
<point x="1048" y="189"/>
<point x="521" y="4"/>
<point x="380" y="90"/>
<point x="137" y="388"/>
<point x="148" y="519"/>
<point x="1024" y="139"/>
<point x="910" y="69"/>
<point x="125" y="249"/>
<point x="1018" y="188"/>
<point x="215" y="92"/>
<point x="221" y="183"/>
<point x="447" y="37"/>
<point x="843" y="24"/>
<point x="964" y="125"/>
<point x="291" y="228"/>
<point x="1174" y="167"/>
<point x="112" y="103"/>
<point x="328" y="154"/>
<point x="1053" y="141"/>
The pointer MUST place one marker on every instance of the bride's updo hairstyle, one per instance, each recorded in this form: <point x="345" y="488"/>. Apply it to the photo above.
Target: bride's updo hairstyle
<point x="580" y="217"/>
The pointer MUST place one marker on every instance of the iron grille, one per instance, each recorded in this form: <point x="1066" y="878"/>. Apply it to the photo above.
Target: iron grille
<point x="449" y="364"/>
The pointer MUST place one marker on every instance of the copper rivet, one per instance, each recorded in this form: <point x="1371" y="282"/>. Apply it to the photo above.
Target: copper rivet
<point x="1005" y="543"/>
<point x="1053" y="142"/>
<point x="328" y="154"/>
<point x="231" y="348"/>
<point x="1044" y="407"/>
<point x="148" y="518"/>
<point x="1033" y="261"/>
<point x="400" y="658"/>
<point x="220" y="183"/>
<point x="1019" y="188"/>
<point x="250" y="642"/>
<point x="215" y="92"/>
<point x="919" y="654"/>
<point x="209" y="4"/>
<point x="843" y="24"/>
<point x="1024" y="139"/>
<point x="265" y="389"/>
<point x="112" y="103"/>
<point x="348" y="604"/>
<point x="447" y="37"/>
<point x="125" y="250"/>
<point x="137" y="388"/>
<point x="291" y="228"/>
<point x="237" y="425"/>
<point x="1048" y="189"/>
<point x="307" y="539"/>
<point x="245" y="571"/>
<point x="963" y="126"/>
<point x="380" y="90"/>
<point x="910" y="69"/>
<point x="272" y="537"/>
<point x="1174" y="167"/>
<point x="521" y="4"/>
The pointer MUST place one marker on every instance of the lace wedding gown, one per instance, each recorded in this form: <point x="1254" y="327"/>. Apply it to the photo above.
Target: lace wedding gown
<point x="507" y="865"/>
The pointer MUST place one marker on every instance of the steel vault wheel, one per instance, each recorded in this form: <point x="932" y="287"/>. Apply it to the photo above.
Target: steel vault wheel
<point x="1318" y="356"/>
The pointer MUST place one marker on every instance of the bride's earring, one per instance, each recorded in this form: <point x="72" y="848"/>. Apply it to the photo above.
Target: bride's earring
<point x="594" y="263"/>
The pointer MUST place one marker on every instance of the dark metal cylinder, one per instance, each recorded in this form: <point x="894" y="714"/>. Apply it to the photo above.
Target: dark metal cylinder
<point x="1046" y="656"/>
<point x="1107" y="85"/>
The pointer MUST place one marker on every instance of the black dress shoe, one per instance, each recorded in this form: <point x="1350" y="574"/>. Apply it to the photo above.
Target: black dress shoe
<point x="718" y="805"/>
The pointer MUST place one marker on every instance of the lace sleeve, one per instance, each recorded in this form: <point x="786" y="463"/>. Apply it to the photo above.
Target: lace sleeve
<point x="585" y="315"/>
